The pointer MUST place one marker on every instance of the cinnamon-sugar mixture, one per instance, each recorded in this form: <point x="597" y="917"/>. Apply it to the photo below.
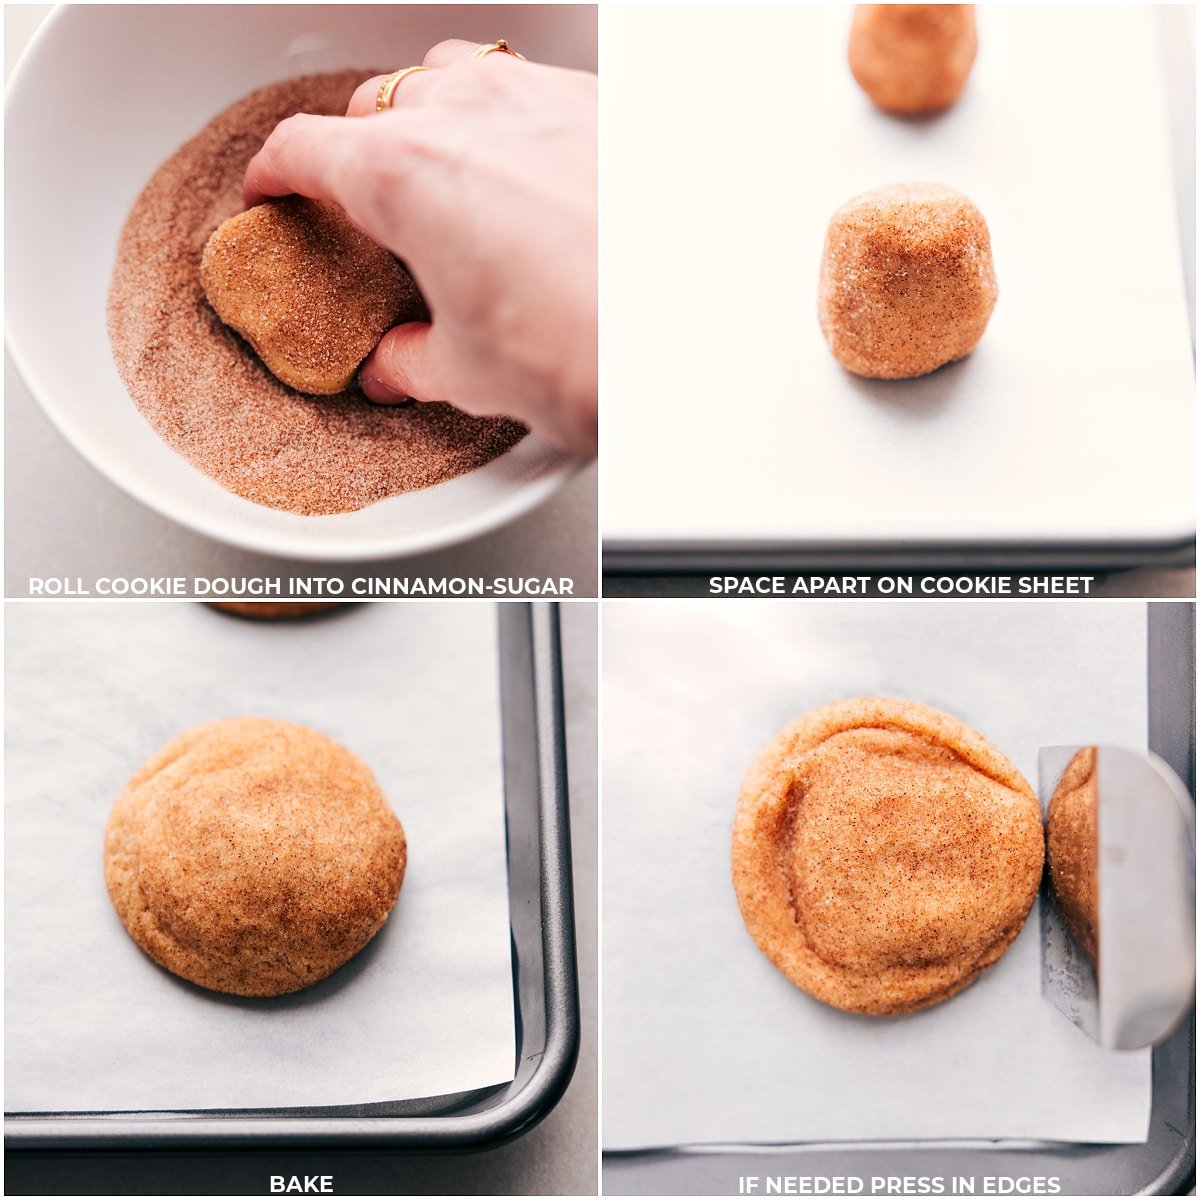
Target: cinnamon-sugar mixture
<point x="202" y="387"/>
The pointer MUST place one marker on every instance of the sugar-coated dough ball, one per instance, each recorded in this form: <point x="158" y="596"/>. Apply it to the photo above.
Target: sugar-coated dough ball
<point x="912" y="58"/>
<point x="884" y="854"/>
<point x="253" y="856"/>
<point x="307" y="289"/>
<point x="907" y="283"/>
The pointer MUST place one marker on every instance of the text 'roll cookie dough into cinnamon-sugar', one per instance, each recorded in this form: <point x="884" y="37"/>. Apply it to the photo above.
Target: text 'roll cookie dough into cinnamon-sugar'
<point x="884" y="854"/>
<point x="253" y="856"/>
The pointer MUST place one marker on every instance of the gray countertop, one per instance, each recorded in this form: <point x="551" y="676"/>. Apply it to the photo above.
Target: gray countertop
<point x="64" y="519"/>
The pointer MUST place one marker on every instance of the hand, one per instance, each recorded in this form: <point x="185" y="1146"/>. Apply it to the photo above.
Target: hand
<point x="482" y="179"/>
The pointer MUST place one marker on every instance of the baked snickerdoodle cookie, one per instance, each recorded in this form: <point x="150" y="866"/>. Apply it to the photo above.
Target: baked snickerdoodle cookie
<point x="1072" y="833"/>
<point x="307" y="289"/>
<point x="253" y="856"/>
<point x="907" y="283"/>
<point x="912" y="58"/>
<point x="884" y="854"/>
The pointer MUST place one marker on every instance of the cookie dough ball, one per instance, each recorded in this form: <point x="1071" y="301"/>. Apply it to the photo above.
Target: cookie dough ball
<point x="307" y="289"/>
<point x="253" y="856"/>
<point x="274" y="610"/>
<point x="912" y="58"/>
<point x="884" y="854"/>
<point x="907" y="283"/>
<point x="1072" y="834"/>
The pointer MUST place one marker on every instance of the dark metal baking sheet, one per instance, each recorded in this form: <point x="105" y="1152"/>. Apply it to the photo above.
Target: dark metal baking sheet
<point x="545" y="990"/>
<point x="1163" y="1165"/>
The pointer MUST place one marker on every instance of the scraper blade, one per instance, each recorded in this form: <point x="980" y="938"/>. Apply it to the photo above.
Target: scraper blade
<point x="1142" y="911"/>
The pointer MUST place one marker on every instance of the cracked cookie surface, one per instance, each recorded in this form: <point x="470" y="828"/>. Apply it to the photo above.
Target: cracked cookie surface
<point x="884" y="854"/>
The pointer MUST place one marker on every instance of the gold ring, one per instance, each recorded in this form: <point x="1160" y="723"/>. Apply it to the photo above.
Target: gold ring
<point x="500" y="47"/>
<point x="387" y="88"/>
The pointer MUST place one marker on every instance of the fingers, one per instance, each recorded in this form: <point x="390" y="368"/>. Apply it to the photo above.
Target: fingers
<point x="363" y="102"/>
<point x="403" y="366"/>
<point x="304" y="155"/>
<point x="446" y="54"/>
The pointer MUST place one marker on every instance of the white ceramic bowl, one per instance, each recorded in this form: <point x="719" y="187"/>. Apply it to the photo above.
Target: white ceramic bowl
<point x="101" y="97"/>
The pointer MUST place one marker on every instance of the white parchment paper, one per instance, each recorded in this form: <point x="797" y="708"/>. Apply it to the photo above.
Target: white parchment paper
<point x="92" y="690"/>
<point x="704" y="1040"/>
<point x="736" y="132"/>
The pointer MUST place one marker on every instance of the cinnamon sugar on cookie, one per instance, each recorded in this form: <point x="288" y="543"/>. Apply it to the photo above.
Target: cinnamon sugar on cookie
<point x="307" y="289"/>
<point x="253" y="856"/>
<point x="907" y="283"/>
<point x="884" y="854"/>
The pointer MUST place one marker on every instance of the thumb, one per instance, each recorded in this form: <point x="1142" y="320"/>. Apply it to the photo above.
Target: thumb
<point x="401" y="366"/>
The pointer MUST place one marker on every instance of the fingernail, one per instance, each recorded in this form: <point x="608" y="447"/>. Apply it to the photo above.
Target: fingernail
<point x="381" y="392"/>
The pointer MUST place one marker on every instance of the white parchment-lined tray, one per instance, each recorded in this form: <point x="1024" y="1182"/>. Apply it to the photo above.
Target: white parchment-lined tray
<point x="735" y="134"/>
<point x="705" y="1041"/>
<point x="91" y="1023"/>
